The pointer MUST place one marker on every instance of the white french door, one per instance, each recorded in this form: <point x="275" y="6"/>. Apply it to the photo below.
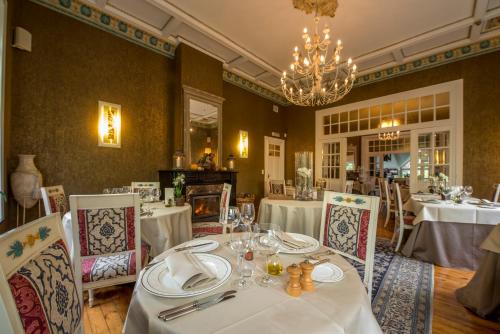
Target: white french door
<point x="330" y="163"/>
<point x="433" y="151"/>
<point x="274" y="160"/>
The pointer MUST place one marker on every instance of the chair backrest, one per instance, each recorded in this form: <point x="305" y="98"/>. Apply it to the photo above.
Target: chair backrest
<point x="398" y="205"/>
<point x="381" y="187"/>
<point x="137" y="186"/>
<point x="277" y="187"/>
<point x="387" y="191"/>
<point x="349" y="225"/>
<point x="105" y="225"/>
<point x="37" y="282"/>
<point x="54" y="200"/>
<point x="348" y="186"/>
<point x="224" y="202"/>
<point x="497" y="193"/>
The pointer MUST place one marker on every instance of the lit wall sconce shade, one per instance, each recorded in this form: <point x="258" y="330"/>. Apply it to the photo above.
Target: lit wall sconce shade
<point x="243" y="145"/>
<point x="109" y="125"/>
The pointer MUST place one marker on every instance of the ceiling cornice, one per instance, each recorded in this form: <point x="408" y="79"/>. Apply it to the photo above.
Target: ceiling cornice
<point x="86" y="12"/>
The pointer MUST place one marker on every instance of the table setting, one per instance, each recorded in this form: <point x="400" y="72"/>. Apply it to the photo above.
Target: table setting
<point x="250" y="280"/>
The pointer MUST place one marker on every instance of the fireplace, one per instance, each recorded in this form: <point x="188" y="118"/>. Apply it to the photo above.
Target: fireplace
<point x="203" y="190"/>
<point x="205" y="201"/>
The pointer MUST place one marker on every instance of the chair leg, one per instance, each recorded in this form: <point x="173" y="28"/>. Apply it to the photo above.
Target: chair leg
<point x="91" y="298"/>
<point x="400" y="239"/>
<point x="394" y="235"/>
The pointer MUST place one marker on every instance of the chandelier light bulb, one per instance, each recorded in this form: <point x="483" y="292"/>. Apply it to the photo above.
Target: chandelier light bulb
<point x="349" y="61"/>
<point x="306" y="61"/>
<point x="308" y="40"/>
<point x="284" y="74"/>
<point x="339" y="42"/>
<point x="336" y="86"/>
<point x="292" y="67"/>
<point x="327" y="36"/>
<point x="305" y="30"/>
<point x="322" y="58"/>
<point x="354" y="68"/>
<point x="296" y="49"/>
<point x="337" y="59"/>
<point x="300" y="91"/>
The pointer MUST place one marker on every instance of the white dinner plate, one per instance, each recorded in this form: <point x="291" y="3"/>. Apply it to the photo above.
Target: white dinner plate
<point x="157" y="280"/>
<point x="212" y="245"/>
<point x="300" y="237"/>
<point x="327" y="273"/>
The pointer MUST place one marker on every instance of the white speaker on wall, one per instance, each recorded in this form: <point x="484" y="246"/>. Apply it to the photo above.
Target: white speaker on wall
<point x="22" y="39"/>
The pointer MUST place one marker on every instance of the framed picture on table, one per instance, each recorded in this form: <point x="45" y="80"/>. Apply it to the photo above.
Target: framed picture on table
<point x="169" y="197"/>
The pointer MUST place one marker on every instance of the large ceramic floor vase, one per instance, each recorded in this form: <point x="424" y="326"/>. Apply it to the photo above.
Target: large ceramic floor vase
<point x="26" y="181"/>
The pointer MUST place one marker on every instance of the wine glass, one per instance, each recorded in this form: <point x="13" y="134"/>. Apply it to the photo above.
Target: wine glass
<point x="268" y="244"/>
<point x="156" y="194"/>
<point x="248" y="213"/>
<point x="468" y="190"/>
<point x="241" y="237"/>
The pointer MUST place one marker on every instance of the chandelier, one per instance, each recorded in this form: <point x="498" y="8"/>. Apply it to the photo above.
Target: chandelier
<point x="389" y="135"/>
<point x="317" y="75"/>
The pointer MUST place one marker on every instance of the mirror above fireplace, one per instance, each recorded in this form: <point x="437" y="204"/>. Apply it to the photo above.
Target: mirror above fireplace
<point x="202" y="125"/>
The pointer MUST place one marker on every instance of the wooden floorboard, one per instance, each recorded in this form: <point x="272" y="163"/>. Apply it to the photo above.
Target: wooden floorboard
<point x="449" y="317"/>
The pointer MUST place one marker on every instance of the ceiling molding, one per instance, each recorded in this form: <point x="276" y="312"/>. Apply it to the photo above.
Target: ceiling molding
<point x="438" y="59"/>
<point x="97" y="18"/>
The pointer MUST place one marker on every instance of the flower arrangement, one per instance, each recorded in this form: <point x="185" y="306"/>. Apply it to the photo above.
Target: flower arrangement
<point x="304" y="172"/>
<point x="303" y="175"/>
<point x="178" y="183"/>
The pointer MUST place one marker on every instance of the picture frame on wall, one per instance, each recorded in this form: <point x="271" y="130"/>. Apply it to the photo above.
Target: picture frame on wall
<point x="109" y="125"/>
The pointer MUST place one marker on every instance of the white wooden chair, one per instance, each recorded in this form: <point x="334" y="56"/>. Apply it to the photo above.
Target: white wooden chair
<point x="496" y="196"/>
<point x="210" y="228"/>
<point x="39" y="290"/>
<point x="138" y="186"/>
<point x="277" y="187"/>
<point x="349" y="225"/>
<point x="107" y="236"/>
<point x="386" y="198"/>
<point x="402" y="222"/>
<point x="348" y="186"/>
<point x="54" y="200"/>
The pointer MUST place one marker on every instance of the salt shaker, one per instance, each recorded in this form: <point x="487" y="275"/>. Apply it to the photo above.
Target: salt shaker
<point x="293" y="287"/>
<point x="306" y="281"/>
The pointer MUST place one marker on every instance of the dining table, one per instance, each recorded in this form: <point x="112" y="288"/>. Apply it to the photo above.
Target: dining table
<point x="449" y="234"/>
<point x="294" y="216"/>
<point x="340" y="307"/>
<point x="161" y="227"/>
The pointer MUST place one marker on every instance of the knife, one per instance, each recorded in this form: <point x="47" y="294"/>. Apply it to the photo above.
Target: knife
<point x="197" y="307"/>
<point x="195" y="302"/>
<point x="192" y="246"/>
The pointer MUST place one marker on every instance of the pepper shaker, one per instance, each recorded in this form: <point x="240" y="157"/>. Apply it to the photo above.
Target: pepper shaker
<point x="293" y="287"/>
<point x="306" y="281"/>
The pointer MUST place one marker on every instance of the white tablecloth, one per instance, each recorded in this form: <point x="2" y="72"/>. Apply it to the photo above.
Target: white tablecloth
<point x="167" y="227"/>
<point x="341" y="307"/>
<point x="293" y="216"/>
<point x="447" y="211"/>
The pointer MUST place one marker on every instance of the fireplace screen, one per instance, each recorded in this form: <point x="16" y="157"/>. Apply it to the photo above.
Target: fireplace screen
<point x="205" y="206"/>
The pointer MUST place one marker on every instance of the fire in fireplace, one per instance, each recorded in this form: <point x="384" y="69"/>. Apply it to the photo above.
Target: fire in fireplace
<point x="205" y="201"/>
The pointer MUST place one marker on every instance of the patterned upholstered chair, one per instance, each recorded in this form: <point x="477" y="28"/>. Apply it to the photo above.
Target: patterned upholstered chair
<point x="348" y="186"/>
<point x="54" y="200"/>
<point x="138" y="186"/>
<point x="210" y="228"/>
<point x="277" y="187"/>
<point x="106" y="231"/>
<point x="387" y="200"/>
<point x="38" y="287"/>
<point x="403" y="222"/>
<point x="349" y="225"/>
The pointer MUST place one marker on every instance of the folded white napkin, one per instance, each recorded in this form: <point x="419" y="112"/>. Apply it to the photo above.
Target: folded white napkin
<point x="287" y="237"/>
<point x="188" y="271"/>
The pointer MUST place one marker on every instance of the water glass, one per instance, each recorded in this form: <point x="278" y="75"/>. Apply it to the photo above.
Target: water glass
<point x="268" y="244"/>
<point x="240" y="243"/>
<point x="106" y="191"/>
<point x="156" y="194"/>
<point x="248" y="213"/>
<point x="468" y="191"/>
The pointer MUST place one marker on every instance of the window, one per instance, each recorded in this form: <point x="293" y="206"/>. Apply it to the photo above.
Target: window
<point x="274" y="150"/>
<point x="426" y="108"/>
<point x="330" y="166"/>
<point x="433" y="154"/>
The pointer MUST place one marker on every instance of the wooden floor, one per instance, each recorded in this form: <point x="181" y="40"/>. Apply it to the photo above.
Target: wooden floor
<point x="449" y="316"/>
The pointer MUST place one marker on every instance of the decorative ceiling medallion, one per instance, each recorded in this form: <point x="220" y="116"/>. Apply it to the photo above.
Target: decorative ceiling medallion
<point x="321" y="7"/>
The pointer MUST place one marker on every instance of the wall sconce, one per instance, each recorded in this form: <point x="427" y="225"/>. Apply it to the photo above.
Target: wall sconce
<point x="243" y="145"/>
<point x="109" y="125"/>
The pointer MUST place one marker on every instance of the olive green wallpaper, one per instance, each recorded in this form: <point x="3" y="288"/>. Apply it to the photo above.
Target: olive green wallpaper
<point x="54" y="97"/>
<point x="246" y="111"/>
<point x="481" y="115"/>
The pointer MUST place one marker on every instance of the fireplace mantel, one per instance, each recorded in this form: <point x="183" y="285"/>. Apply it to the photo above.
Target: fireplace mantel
<point x="194" y="177"/>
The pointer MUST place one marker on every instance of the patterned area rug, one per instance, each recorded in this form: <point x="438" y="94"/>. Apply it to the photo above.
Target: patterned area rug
<point x="402" y="291"/>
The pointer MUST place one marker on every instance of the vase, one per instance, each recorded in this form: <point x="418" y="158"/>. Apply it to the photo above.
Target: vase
<point x="304" y="176"/>
<point x="26" y="181"/>
<point x="179" y="201"/>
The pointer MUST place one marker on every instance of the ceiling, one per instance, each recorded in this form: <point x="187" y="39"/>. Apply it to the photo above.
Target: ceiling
<point x="254" y="39"/>
<point x="202" y="113"/>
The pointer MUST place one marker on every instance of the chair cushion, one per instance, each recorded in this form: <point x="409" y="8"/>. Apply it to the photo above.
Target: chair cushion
<point x="45" y="293"/>
<point x="105" y="267"/>
<point x="206" y="228"/>
<point x="58" y="203"/>
<point x="408" y="220"/>
<point x="346" y="229"/>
